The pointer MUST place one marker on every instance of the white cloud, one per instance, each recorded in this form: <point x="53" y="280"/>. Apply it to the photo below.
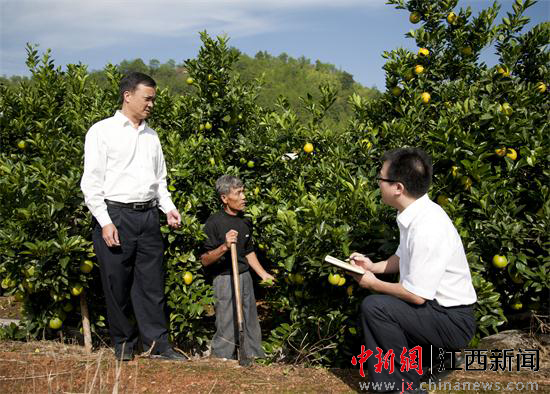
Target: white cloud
<point x="87" y="24"/>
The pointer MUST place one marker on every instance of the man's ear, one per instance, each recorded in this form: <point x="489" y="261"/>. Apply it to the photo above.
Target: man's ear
<point x="224" y="199"/>
<point x="399" y="189"/>
<point x="126" y="95"/>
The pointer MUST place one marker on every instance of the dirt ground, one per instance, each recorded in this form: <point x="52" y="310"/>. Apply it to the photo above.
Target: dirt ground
<point x="55" y="367"/>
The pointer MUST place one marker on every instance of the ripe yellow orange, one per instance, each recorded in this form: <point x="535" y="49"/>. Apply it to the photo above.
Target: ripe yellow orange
<point x="334" y="279"/>
<point x="188" y="277"/>
<point x="423" y="52"/>
<point x="541" y="87"/>
<point x="77" y="289"/>
<point x="415" y="17"/>
<point x="22" y="145"/>
<point x="500" y="261"/>
<point x="511" y="153"/>
<point x="189" y="81"/>
<point x="55" y="323"/>
<point x="308" y="147"/>
<point x="454" y="171"/>
<point x="418" y="69"/>
<point x="500" y="151"/>
<point x="86" y="266"/>
<point x="342" y="281"/>
<point x="503" y="70"/>
<point x="207" y="126"/>
<point x="396" y="91"/>
<point x="506" y="109"/>
<point x="517" y="305"/>
<point x="425" y="97"/>
<point x="452" y="18"/>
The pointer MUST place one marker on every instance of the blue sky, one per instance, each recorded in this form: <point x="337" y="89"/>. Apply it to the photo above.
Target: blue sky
<point x="352" y="34"/>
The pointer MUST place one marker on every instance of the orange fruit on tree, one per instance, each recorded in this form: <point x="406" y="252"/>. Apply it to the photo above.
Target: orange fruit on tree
<point x="511" y="153"/>
<point x="452" y="18"/>
<point x="541" y="87"/>
<point x="55" y="323"/>
<point x="396" y="91"/>
<point x="418" y="69"/>
<point x="500" y="261"/>
<point x="334" y="279"/>
<point x="425" y="97"/>
<point x="188" y="277"/>
<point x="86" y="266"/>
<point x="500" y="152"/>
<point x="415" y="17"/>
<point x="76" y="290"/>
<point x="308" y="147"/>
<point x="423" y="52"/>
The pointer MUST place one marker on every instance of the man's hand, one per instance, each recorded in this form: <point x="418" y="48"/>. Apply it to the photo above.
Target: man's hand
<point x="231" y="238"/>
<point x="361" y="261"/>
<point x="174" y="218"/>
<point x="110" y="235"/>
<point x="366" y="280"/>
<point x="267" y="277"/>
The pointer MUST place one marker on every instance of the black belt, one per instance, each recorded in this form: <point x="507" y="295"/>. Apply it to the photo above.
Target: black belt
<point x="136" y="206"/>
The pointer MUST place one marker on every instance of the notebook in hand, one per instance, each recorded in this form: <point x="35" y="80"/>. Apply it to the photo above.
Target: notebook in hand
<point x="344" y="265"/>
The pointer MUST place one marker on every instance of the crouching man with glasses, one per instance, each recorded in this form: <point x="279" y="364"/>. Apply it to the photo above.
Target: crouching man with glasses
<point x="432" y="304"/>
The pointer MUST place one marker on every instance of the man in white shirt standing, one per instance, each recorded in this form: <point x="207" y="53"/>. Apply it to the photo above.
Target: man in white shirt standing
<point x="124" y="184"/>
<point x="432" y="304"/>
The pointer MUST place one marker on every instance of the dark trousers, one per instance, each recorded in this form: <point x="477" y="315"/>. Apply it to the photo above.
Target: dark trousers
<point x="133" y="278"/>
<point x="390" y="323"/>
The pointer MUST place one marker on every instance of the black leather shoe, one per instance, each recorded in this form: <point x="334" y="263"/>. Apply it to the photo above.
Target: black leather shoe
<point x="170" y="355"/>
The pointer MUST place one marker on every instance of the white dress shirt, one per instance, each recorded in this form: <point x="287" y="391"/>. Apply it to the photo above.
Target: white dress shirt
<point x="124" y="164"/>
<point x="432" y="262"/>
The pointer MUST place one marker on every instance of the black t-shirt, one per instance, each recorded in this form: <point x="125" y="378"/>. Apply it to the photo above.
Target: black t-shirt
<point x="215" y="228"/>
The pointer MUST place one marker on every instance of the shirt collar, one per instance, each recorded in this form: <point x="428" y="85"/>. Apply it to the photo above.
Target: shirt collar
<point x="406" y="217"/>
<point x="123" y="119"/>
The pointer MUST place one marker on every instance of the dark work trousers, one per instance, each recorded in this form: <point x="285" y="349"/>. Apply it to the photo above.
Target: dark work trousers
<point x="134" y="273"/>
<point x="390" y="323"/>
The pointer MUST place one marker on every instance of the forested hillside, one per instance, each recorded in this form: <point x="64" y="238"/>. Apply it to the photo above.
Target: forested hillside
<point x="280" y="75"/>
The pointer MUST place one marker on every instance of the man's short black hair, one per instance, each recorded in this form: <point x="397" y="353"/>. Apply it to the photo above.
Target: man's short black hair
<point x="412" y="167"/>
<point x="131" y="80"/>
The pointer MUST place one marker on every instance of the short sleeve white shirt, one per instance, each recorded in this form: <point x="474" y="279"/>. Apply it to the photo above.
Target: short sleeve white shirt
<point x="432" y="262"/>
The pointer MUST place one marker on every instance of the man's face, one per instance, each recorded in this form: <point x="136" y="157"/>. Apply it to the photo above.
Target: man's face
<point x="235" y="200"/>
<point x="387" y="189"/>
<point x="140" y="102"/>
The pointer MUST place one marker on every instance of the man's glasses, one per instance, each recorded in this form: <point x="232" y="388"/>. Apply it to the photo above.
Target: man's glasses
<point x="379" y="178"/>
